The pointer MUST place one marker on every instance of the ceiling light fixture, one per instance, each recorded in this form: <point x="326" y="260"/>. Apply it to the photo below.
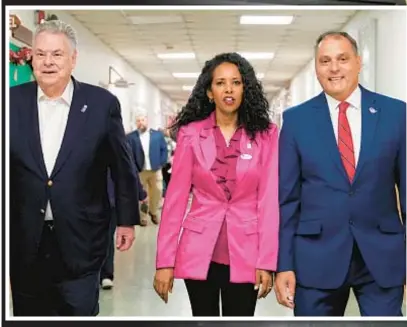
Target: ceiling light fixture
<point x="185" y="75"/>
<point x="257" y="55"/>
<point x="266" y="20"/>
<point x="179" y="55"/>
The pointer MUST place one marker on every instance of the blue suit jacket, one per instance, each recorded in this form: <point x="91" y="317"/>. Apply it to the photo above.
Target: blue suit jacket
<point x="158" y="152"/>
<point x="322" y="212"/>
<point x="94" y="141"/>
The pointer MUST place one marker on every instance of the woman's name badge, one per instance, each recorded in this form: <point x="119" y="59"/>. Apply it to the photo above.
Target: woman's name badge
<point x="246" y="156"/>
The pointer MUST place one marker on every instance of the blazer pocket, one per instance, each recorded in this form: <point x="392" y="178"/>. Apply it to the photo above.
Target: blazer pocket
<point x="391" y="226"/>
<point x="309" y="228"/>
<point x="193" y="225"/>
<point x="251" y="227"/>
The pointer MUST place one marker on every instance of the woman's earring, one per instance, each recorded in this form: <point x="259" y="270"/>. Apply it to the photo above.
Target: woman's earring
<point x="210" y="100"/>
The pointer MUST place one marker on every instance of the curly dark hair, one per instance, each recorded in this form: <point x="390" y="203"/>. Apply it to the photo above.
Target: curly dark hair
<point x="253" y="113"/>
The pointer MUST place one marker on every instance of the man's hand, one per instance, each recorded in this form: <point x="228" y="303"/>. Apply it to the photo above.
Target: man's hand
<point x="285" y="288"/>
<point x="124" y="237"/>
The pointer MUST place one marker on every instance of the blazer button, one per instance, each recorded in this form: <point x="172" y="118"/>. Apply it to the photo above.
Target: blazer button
<point x="50" y="183"/>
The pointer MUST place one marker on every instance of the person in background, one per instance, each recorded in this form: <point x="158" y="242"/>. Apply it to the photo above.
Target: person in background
<point x="341" y="155"/>
<point x="64" y="136"/>
<point x="166" y="170"/>
<point x="227" y="155"/>
<point x="107" y="271"/>
<point x="150" y="154"/>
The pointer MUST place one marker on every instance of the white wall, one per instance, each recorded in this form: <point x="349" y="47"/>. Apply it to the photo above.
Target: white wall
<point x="94" y="59"/>
<point x="381" y="35"/>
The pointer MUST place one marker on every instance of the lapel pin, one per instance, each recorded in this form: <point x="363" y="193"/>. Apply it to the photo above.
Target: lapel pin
<point x="84" y="108"/>
<point x="372" y="110"/>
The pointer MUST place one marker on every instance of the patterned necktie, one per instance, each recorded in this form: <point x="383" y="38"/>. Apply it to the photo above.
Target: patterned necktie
<point x="345" y="142"/>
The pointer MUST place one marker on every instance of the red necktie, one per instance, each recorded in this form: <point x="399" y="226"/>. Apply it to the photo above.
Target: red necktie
<point x="345" y="142"/>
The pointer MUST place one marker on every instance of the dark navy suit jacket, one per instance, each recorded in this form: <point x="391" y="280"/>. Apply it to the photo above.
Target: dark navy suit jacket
<point x="94" y="141"/>
<point x="158" y="149"/>
<point x="322" y="212"/>
<point x="142" y="194"/>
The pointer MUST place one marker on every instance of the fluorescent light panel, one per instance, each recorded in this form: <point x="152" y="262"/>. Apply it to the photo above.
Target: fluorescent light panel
<point x="185" y="75"/>
<point x="266" y="20"/>
<point x="179" y="55"/>
<point x="257" y="55"/>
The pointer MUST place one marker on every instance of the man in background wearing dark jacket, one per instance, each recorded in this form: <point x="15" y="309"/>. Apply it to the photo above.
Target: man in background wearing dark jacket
<point x="107" y="271"/>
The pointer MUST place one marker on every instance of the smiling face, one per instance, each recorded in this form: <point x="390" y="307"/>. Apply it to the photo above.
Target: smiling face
<point x="54" y="59"/>
<point x="337" y="66"/>
<point x="226" y="89"/>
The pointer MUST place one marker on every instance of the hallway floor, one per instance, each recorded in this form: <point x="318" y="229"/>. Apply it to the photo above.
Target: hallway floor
<point x="133" y="293"/>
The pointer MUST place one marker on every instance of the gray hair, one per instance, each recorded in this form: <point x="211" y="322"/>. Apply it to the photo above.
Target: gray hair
<point x="337" y="34"/>
<point x="58" y="26"/>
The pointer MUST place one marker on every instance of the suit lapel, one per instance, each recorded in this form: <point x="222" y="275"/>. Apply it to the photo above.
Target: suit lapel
<point x="326" y="133"/>
<point x="370" y="117"/>
<point x="208" y="146"/>
<point x="74" y="127"/>
<point x="31" y="125"/>
<point x="246" y="157"/>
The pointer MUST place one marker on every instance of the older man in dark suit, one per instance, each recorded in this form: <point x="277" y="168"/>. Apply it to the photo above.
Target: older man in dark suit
<point x="64" y="135"/>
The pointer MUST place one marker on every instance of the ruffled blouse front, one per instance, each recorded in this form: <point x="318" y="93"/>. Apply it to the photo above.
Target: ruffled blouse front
<point x="224" y="170"/>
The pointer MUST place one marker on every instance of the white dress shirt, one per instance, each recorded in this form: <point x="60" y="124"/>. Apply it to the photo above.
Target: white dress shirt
<point x="53" y="117"/>
<point x="354" y="115"/>
<point x="145" y="142"/>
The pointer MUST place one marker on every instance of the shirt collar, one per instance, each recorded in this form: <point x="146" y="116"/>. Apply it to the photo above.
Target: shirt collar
<point x="355" y="100"/>
<point x="66" y="95"/>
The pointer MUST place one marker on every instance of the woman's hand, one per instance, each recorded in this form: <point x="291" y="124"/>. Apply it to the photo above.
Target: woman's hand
<point x="163" y="282"/>
<point x="264" y="283"/>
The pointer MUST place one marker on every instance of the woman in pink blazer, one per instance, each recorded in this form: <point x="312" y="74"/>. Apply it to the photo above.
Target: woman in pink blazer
<point x="226" y="156"/>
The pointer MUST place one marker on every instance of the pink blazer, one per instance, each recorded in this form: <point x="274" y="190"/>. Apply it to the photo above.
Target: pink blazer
<point x="186" y="241"/>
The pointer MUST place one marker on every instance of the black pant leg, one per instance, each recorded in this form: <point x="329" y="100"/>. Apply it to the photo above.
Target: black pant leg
<point x="32" y="287"/>
<point x="204" y="294"/>
<point x="49" y="289"/>
<point x="238" y="299"/>
<point x="107" y="270"/>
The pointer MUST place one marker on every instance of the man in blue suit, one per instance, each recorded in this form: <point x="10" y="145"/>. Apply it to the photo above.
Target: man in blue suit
<point x="341" y="155"/>
<point x="64" y="136"/>
<point x="150" y="153"/>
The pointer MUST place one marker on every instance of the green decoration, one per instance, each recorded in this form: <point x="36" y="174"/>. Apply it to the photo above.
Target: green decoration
<point x="19" y="73"/>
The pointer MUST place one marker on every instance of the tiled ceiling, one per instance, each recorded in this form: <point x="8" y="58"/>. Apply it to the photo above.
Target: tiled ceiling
<point x="139" y="35"/>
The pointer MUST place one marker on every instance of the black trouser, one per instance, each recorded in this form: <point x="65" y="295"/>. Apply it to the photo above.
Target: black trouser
<point x="237" y="299"/>
<point x="47" y="289"/>
<point x="107" y="270"/>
